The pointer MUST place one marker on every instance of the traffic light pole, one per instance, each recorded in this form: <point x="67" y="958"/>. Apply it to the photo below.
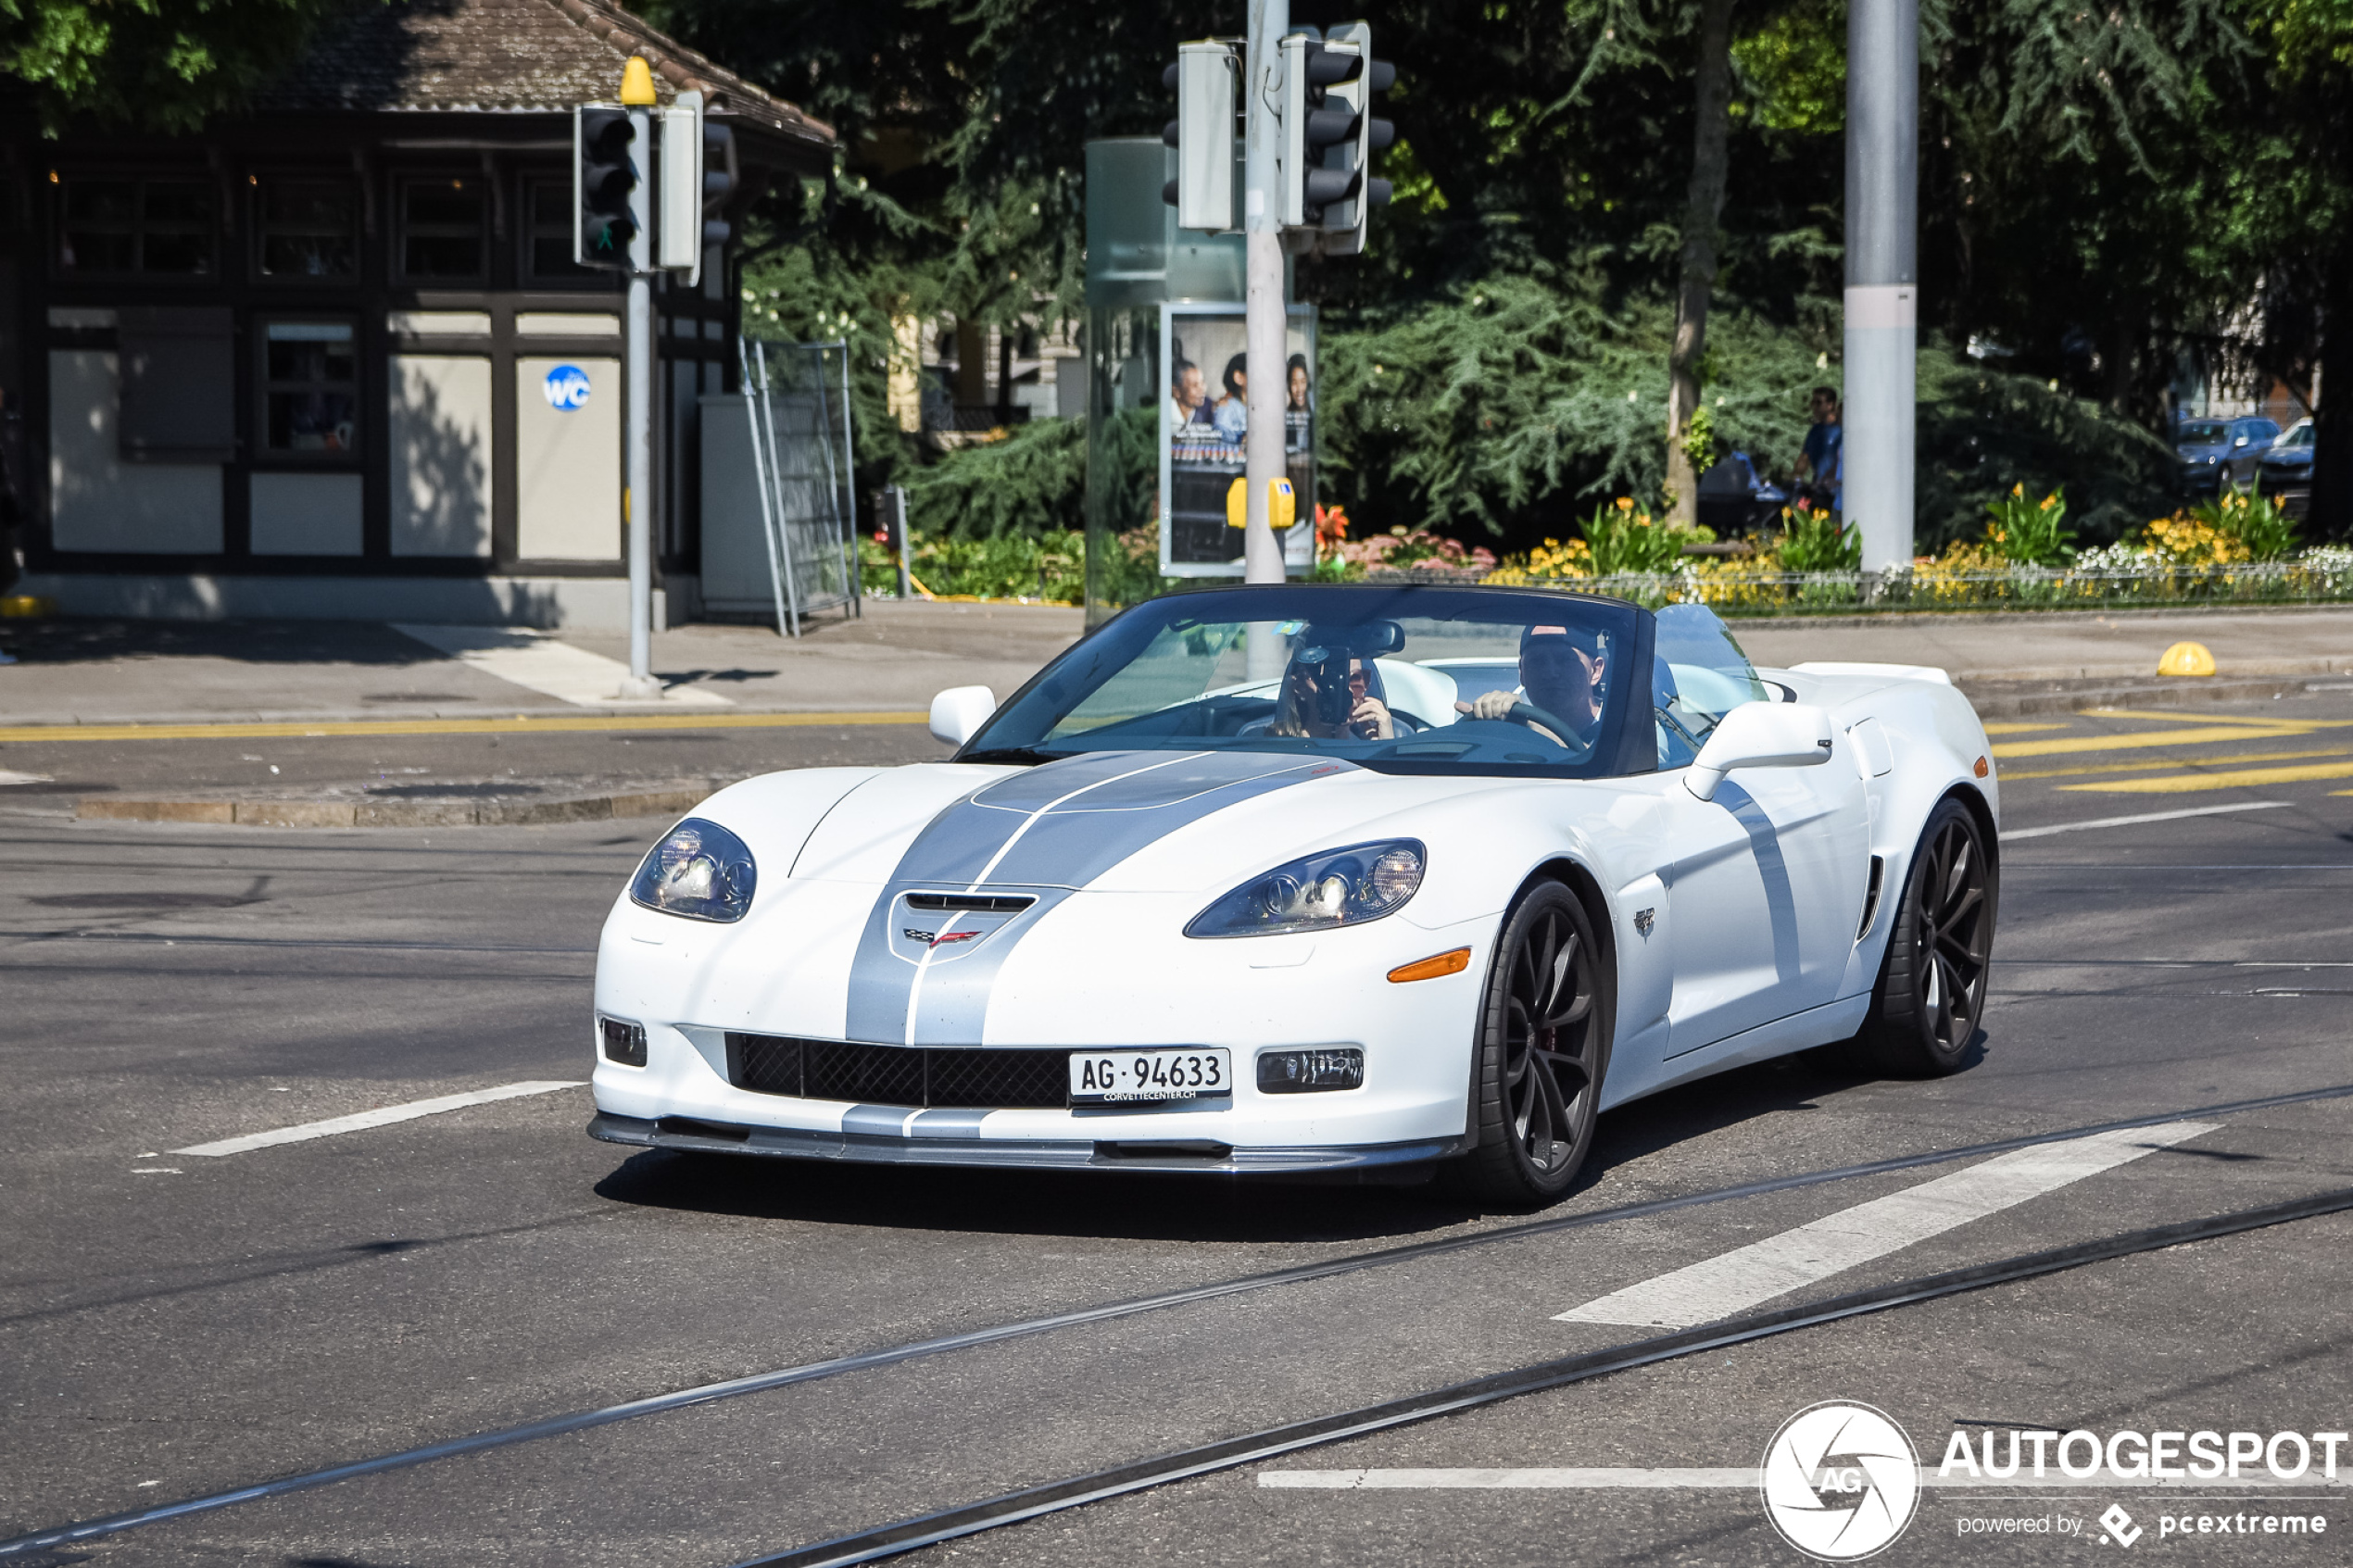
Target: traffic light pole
<point x="1882" y="250"/>
<point x="1262" y="276"/>
<point x="638" y="500"/>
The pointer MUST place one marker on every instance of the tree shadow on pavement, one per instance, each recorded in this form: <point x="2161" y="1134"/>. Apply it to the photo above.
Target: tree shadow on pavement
<point x="79" y="639"/>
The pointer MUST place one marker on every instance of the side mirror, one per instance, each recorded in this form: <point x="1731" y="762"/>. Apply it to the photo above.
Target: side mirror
<point x="1760" y="735"/>
<point x="2240" y="442"/>
<point x="958" y="713"/>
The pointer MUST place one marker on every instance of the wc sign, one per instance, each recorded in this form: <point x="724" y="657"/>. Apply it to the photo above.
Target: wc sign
<point x="567" y="388"/>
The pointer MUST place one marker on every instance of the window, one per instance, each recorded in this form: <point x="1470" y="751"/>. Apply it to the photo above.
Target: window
<point x="310" y="387"/>
<point x="441" y="230"/>
<point x="554" y="225"/>
<point x="308" y="228"/>
<point x="163" y="227"/>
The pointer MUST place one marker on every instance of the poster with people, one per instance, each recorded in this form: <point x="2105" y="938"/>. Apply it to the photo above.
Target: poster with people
<point x="1204" y="429"/>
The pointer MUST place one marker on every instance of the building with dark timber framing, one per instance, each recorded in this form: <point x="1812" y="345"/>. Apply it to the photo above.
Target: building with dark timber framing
<point x="326" y="358"/>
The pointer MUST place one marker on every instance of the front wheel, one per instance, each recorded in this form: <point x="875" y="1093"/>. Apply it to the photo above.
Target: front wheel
<point x="1542" y="1045"/>
<point x="1931" y="985"/>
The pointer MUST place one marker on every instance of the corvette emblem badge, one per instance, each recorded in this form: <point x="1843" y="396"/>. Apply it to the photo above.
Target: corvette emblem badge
<point x="1645" y="920"/>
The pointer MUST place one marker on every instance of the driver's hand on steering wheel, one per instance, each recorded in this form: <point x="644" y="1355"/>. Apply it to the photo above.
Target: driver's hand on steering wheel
<point x="1490" y="705"/>
<point x="1371" y="722"/>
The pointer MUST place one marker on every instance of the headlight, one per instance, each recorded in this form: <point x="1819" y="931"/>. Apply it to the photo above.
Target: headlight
<point x="701" y="871"/>
<point x="1315" y="893"/>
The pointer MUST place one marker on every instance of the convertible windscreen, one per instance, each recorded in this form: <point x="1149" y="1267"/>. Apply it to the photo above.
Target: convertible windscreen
<point x="1413" y="679"/>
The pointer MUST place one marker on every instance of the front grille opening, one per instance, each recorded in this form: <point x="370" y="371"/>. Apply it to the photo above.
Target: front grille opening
<point x="972" y="903"/>
<point x="917" y="1077"/>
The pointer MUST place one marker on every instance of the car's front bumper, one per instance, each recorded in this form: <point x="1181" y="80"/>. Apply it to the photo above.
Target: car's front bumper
<point x="1102" y="1154"/>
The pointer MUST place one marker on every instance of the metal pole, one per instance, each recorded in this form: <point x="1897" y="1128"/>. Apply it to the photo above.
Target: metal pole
<point x="850" y="493"/>
<point x="1882" y="246"/>
<point x="1263" y="273"/>
<point x="638" y="500"/>
<point x="760" y="477"/>
<point x="776" y="474"/>
<point x="898" y="540"/>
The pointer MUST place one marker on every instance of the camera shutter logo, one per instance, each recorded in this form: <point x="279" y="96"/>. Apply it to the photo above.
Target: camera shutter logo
<point x="1841" y="1481"/>
<point x="567" y="388"/>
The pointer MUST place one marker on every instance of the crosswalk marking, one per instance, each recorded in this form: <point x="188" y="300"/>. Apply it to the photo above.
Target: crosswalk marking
<point x="1735" y="1281"/>
<point x="380" y="1117"/>
<point x="2017" y="834"/>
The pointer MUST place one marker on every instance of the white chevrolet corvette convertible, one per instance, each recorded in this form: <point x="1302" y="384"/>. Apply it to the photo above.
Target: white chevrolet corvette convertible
<point x="1301" y="878"/>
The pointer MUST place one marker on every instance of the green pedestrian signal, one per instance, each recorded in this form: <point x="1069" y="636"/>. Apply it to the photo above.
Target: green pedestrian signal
<point x="604" y="178"/>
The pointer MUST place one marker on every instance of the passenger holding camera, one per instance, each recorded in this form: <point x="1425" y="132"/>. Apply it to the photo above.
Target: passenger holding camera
<point x="1328" y="695"/>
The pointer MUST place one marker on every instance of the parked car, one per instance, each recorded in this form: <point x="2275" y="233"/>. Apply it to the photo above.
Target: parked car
<point x="2212" y="451"/>
<point x="2286" y="468"/>
<point x="1735" y="499"/>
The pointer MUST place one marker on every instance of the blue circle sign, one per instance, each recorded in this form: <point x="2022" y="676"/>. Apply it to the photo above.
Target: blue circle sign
<point x="567" y="388"/>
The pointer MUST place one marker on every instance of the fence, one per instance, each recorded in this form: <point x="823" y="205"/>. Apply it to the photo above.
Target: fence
<point x="797" y="397"/>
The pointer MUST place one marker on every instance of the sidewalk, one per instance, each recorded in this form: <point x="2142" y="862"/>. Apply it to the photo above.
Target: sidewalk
<point x="895" y="656"/>
<point x="340" y="725"/>
<point x="890" y="660"/>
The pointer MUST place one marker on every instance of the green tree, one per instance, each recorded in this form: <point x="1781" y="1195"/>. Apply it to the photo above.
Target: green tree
<point x="160" y="65"/>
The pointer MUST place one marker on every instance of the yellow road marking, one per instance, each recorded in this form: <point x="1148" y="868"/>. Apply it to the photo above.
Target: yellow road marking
<point x="2168" y="762"/>
<point x="2135" y="739"/>
<point x="2170" y="717"/>
<point x="519" y="724"/>
<point x="2241" y="778"/>
<point x="2018" y="729"/>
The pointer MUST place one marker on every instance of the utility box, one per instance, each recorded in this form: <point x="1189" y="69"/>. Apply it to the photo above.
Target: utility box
<point x="736" y="578"/>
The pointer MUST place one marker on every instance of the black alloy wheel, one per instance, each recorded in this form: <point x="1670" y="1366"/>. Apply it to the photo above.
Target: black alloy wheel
<point x="1542" y="1045"/>
<point x="1932" y="990"/>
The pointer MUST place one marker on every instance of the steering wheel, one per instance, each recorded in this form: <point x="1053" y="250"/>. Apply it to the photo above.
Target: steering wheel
<point x="1563" y="730"/>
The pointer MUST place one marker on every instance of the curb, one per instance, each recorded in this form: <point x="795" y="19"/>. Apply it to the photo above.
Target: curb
<point x="363" y="813"/>
<point x="2012" y="699"/>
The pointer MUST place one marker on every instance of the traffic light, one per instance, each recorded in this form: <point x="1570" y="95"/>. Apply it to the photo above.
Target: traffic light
<point x="603" y="176"/>
<point x="1337" y="135"/>
<point x="698" y="176"/>
<point x="1204" y="79"/>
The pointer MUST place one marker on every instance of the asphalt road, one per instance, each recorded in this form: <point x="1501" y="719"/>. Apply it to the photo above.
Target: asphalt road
<point x="181" y="1325"/>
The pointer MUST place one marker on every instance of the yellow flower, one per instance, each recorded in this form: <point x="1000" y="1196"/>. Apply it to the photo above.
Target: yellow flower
<point x="2018" y="489"/>
<point x="1626" y="503"/>
<point x="2049" y="501"/>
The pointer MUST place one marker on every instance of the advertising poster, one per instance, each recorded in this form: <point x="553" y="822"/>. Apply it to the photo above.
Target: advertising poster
<point x="1203" y="430"/>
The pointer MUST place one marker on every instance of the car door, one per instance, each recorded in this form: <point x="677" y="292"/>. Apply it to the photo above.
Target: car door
<point x="1764" y="888"/>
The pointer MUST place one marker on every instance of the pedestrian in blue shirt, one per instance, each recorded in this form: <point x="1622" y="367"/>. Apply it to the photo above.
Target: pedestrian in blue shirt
<point x="1821" y="469"/>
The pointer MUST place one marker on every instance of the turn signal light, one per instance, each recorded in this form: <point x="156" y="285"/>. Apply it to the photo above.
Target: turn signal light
<point x="1982" y="768"/>
<point x="1431" y="968"/>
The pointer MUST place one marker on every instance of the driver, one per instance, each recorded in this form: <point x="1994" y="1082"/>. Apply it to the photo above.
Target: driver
<point x="1562" y="671"/>
<point x="1348" y="710"/>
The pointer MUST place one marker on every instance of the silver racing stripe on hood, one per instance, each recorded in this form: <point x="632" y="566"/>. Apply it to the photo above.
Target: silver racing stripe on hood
<point x="1042" y="835"/>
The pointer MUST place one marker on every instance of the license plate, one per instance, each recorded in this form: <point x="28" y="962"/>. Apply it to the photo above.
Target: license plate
<point x="1115" y="1077"/>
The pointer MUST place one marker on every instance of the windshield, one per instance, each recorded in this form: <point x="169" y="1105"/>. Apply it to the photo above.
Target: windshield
<point x="2202" y="433"/>
<point x="2300" y="436"/>
<point x="1397" y="679"/>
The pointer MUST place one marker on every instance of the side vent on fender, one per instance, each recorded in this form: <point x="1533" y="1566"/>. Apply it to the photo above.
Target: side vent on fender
<point x="1871" y="897"/>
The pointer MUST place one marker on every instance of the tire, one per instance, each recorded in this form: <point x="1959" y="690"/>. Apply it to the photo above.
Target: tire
<point x="1931" y="996"/>
<point x="1541" y="1047"/>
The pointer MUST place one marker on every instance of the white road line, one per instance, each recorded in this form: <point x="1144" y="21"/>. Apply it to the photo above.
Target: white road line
<point x="1735" y="1281"/>
<point x="2008" y="837"/>
<point x="378" y="1118"/>
<point x="1629" y="1479"/>
<point x="549" y="664"/>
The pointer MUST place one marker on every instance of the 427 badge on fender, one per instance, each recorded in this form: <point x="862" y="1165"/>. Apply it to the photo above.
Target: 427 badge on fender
<point x="1110" y="1077"/>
